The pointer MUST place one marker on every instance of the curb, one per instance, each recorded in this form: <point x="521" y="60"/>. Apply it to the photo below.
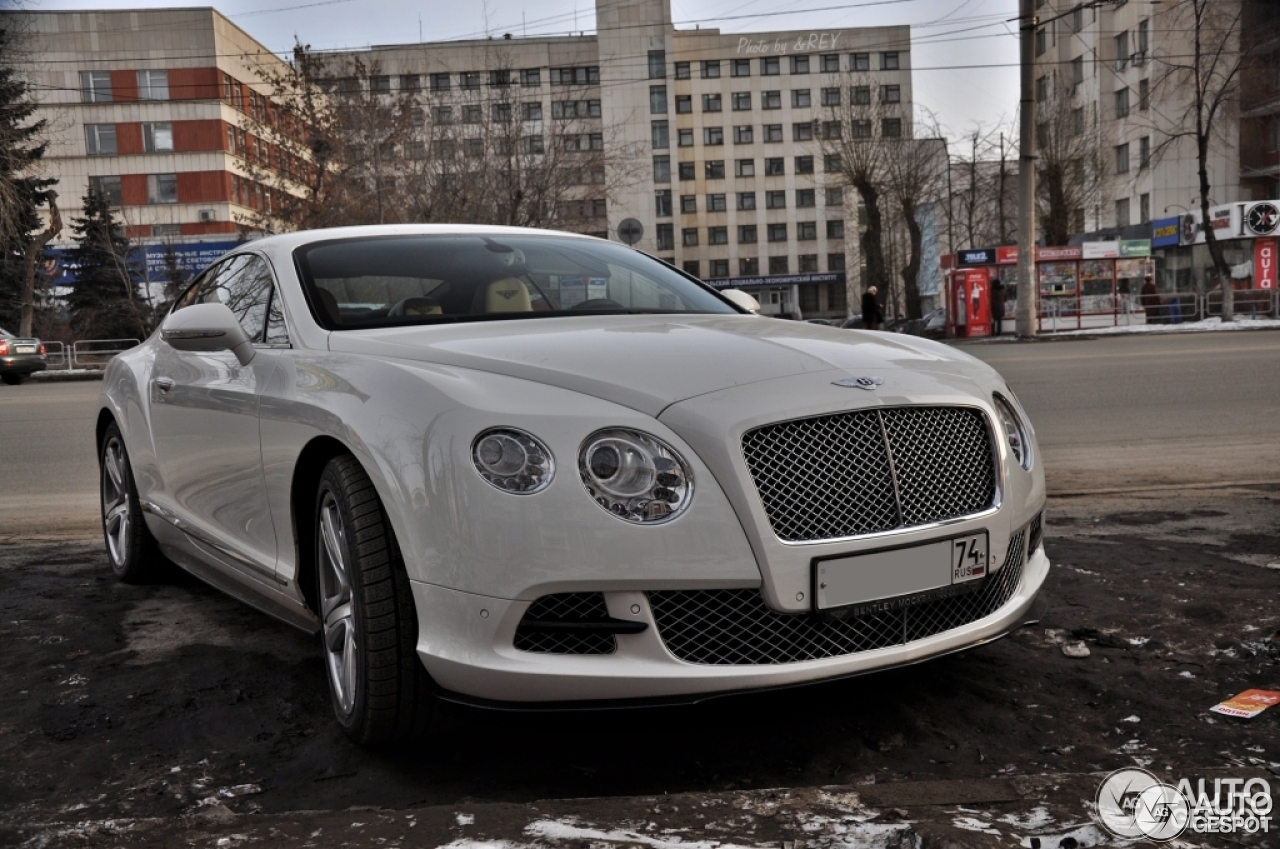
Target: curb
<point x="66" y="376"/>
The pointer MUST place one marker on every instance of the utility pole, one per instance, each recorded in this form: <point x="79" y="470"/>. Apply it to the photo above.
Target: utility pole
<point x="1028" y="292"/>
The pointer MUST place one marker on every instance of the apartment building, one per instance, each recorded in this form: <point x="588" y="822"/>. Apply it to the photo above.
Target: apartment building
<point x="169" y="114"/>
<point x="709" y="143"/>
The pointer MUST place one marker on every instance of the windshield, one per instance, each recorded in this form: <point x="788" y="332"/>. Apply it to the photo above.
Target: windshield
<point x="392" y="280"/>
<point x="6" y="333"/>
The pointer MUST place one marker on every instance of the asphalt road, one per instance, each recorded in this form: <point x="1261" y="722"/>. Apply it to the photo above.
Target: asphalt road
<point x="1111" y="414"/>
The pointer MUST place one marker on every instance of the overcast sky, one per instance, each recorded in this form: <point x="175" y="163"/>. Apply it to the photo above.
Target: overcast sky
<point x="964" y="52"/>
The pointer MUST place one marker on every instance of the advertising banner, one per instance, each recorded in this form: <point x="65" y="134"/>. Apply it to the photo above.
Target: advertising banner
<point x="1264" y="264"/>
<point x="1062" y="254"/>
<point x="975" y="257"/>
<point x="1100" y="250"/>
<point x="150" y="260"/>
<point x="1135" y="247"/>
<point x="1164" y="233"/>
<point x="1007" y="256"/>
<point x="776" y="280"/>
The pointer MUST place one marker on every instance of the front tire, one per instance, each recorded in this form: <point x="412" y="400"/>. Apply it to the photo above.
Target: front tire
<point x="133" y="553"/>
<point x="381" y="692"/>
<point x="11" y="378"/>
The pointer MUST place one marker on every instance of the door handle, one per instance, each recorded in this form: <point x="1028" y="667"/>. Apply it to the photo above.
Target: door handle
<point x="164" y="384"/>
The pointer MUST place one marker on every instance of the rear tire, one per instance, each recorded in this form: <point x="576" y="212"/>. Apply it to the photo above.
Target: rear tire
<point x="381" y="693"/>
<point x="12" y="379"/>
<point x="132" y="551"/>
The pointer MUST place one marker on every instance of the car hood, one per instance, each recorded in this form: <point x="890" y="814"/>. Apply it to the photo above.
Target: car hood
<point x="649" y="362"/>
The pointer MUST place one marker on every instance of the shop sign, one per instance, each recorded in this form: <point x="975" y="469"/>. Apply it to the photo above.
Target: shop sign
<point x="975" y="257"/>
<point x="1062" y="254"/>
<point x="1007" y="256"/>
<point x="1264" y="264"/>
<point x="1100" y="250"/>
<point x="1164" y="233"/>
<point x="1135" y="247"/>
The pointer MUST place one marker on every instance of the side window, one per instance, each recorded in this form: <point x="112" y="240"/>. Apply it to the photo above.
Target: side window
<point x="244" y="284"/>
<point x="277" y="333"/>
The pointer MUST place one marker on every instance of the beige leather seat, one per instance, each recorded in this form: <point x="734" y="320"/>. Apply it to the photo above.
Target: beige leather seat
<point x="507" y="295"/>
<point x="416" y="306"/>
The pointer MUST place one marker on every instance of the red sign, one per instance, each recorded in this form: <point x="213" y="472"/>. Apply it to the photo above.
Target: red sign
<point x="1007" y="256"/>
<point x="1264" y="263"/>
<point x="1068" y="252"/>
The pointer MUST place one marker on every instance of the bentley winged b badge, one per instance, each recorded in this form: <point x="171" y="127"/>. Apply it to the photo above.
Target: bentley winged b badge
<point x="868" y="383"/>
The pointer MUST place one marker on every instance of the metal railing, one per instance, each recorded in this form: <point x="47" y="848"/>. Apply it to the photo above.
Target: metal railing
<point x="96" y="353"/>
<point x="56" y="356"/>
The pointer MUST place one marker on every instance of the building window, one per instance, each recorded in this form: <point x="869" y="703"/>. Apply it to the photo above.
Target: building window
<point x="100" y="139"/>
<point x="776" y="199"/>
<point x="686" y="171"/>
<point x="535" y="145"/>
<point x="777" y="232"/>
<point x="775" y="166"/>
<point x="744" y="168"/>
<point x="1122" y="102"/>
<point x="804" y="164"/>
<point x="1042" y="41"/>
<point x="713" y="136"/>
<point x="749" y="266"/>
<point x="711" y="69"/>
<point x="835" y="229"/>
<point x="747" y="234"/>
<point x="835" y="196"/>
<point x="799" y="64"/>
<point x="1122" y="50"/>
<point x="801" y="98"/>
<point x="746" y="200"/>
<point x="1144" y="153"/>
<point x="658" y="100"/>
<point x="684" y="104"/>
<point x="779" y="264"/>
<point x="444" y="114"/>
<point x="95" y="86"/>
<point x="688" y="204"/>
<point x="806" y="198"/>
<point x="157" y="137"/>
<point x="501" y="112"/>
<point x="575" y="109"/>
<point x="716" y="203"/>
<point x="1122" y="213"/>
<point x="1122" y="159"/>
<point x="153" y="85"/>
<point x="715" y="169"/>
<point x="1075" y="124"/>
<point x="831" y="163"/>
<point x="717" y="235"/>
<point x="808" y="265"/>
<point x="891" y="128"/>
<point x="692" y="266"/>
<point x="472" y="114"/>
<point x="829" y="63"/>
<point x="665" y="237"/>
<point x="859" y="61"/>
<point x="380" y="84"/>
<point x="661" y="133"/>
<point x="831" y="129"/>
<point x="807" y="231"/>
<point x="162" y="188"/>
<point x="689" y="237"/>
<point x="684" y="138"/>
<point x="528" y="77"/>
<point x="719" y="268"/>
<point x="741" y="101"/>
<point x="889" y="61"/>
<point x="743" y="134"/>
<point x="410" y="82"/>
<point x="1144" y="37"/>
<point x="108" y="187"/>
<point x="662" y="203"/>
<point x="657" y="64"/>
<point x="682" y="70"/>
<point x="802" y="131"/>
<point x="890" y="94"/>
<point x="860" y="95"/>
<point x="1144" y="95"/>
<point x="710" y="103"/>
<point x="740" y="67"/>
<point x="770" y="66"/>
<point x="835" y="262"/>
<point x="861" y="128"/>
<point x="773" y="132"/>
<point x="475" y="147"/>
<point x="831" y="96"/>
<point x="1144" y="208"/>
<point x="585" y="75"/>
<point x="662" y="169"/>
<point x="469" y="80"/>
<point x="771" y="100"/>
<point x="439" y="82"/>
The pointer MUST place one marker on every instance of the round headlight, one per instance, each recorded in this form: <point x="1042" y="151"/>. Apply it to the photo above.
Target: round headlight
<point x="1015" y="431"/>
<point x="635" y="476"/>
<point x="512" y="460"/>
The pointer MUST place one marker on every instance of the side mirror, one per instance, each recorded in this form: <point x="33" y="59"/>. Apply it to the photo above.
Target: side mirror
<point x="207" y="327"/>
<point x="741" y="299"/>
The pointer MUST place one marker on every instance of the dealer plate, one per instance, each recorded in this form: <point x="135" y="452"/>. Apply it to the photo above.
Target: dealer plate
<point x="904" y="571"/>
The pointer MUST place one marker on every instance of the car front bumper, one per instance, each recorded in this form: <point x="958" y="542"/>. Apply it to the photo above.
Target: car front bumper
<point x="466" y="643"/>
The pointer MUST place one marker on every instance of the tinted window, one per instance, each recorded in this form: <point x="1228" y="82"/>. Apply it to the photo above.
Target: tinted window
<point x="392" y="280"/>
<point x="244" y="284"/>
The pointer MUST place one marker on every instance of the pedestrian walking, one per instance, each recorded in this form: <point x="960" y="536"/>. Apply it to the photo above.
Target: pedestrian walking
<point x="872" y="317"/>
<point x="997" y="306"/>
<point x="1150" y="299"/>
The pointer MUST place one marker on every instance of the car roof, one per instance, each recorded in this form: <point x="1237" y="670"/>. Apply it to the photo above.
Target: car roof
<point x="288" y="241"/>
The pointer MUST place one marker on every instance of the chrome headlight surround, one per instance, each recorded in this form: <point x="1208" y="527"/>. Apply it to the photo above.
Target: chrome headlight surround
<point x="513" y="461"/>
<point x="635" y="476"/>
<point x="1017" y="430"/>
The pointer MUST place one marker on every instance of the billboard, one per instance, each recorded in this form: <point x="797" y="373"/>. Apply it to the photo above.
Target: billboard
<point x="57" y="270"/>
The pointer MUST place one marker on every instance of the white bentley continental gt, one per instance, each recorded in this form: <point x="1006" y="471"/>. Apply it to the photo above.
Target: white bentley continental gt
<point x="524" y="468"/>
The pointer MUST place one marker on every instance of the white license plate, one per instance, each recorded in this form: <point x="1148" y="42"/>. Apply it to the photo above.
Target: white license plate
<point x="24" y="349"/>
<point x="897" y="572"/>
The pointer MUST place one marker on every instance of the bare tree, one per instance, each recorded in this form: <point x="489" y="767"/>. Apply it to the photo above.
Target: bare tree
<point x="983" y="188"/>
<point x="915" y="177"/>
<point x="1070" y="163"/>
<point x="1207" y="80"/>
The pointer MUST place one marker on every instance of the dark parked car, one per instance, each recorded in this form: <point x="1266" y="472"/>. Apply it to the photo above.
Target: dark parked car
<point x="854" y="322"/>
<point x="932" y="325"/>
<point x="19" y="357"/>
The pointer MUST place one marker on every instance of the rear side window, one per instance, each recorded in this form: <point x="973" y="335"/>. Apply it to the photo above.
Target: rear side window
<point x="244" y="284"/>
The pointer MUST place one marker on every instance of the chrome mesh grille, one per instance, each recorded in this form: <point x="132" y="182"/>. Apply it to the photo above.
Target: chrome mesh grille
<point x="565" y="607"/>
<point x="834" y="476"/>
<point x="736" y="627"/>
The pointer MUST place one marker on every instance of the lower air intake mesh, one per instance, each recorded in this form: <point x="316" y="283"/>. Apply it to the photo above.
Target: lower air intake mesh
<point x="565" y="607"/>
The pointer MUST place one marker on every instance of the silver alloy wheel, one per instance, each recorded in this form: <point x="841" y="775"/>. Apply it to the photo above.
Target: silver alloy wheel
<point x="115" y="501"/>
<point x="336" y="609"/>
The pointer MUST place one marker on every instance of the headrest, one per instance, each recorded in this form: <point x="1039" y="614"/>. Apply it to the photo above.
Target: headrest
<point x="507" y="295"/>
<point x="328" y="305"/>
